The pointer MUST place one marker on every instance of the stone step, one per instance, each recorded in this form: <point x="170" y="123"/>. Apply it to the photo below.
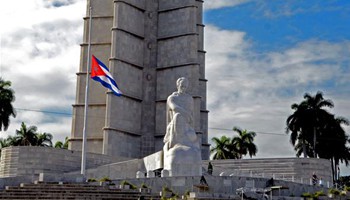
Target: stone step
<point x="33" y="187"/>
<point x="40" y="190"/>
<point x="26" y="191"/>
<point x="63" y="192"/>
<point x="80" y="195"/>
<point x="77" y="197"/>
<point x="74" y="196"/>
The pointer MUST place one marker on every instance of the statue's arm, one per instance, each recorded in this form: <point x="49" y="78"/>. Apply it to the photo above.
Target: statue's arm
<point x="179" y="109"/>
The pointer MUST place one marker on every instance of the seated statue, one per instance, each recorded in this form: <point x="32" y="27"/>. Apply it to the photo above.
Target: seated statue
<point x="182" y="152"/>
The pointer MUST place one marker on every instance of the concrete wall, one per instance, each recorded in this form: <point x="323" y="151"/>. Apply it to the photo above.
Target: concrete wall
<point x="292" y="169"/>
<point x="222" y="184"/>
<point x="31" y="161"/>
<point x="298" y="170"/>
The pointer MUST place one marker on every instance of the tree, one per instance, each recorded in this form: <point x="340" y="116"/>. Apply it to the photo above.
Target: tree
<point x="306" y="122"/>
<point x="303" y="147"/>
<point x="243" y="144"/>
<point x="295" y="125"/>
<point x="61" y="145"/>
<point x="316" y="114"/>
<point x="317" y="132"/>
<point x="7" y="97"/>
<point x="44" y="139"/>
<point x="333" y="144"/>
<point x="221" y="150"/>
<point x="12" y="140"/>
<point x="4" y="143"/>
<point x="26" y="136"/>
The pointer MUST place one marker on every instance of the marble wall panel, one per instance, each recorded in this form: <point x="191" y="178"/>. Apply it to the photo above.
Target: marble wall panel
<point x="177" y="22"/>
<point x="127" y="47"/>
<point x="128" y="78"/>
<point x="173" y="4"/>
<point x="177" y="51"/>
<point x="130" y="19"/>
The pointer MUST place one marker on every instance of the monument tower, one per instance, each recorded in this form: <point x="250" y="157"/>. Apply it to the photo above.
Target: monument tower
<point x="147" y="45"/>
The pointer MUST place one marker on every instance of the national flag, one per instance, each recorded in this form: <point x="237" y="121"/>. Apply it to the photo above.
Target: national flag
<point x="100" y="73"/>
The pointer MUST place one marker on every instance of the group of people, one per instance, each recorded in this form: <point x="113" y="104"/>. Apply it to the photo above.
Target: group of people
<point x="316" y="180"/>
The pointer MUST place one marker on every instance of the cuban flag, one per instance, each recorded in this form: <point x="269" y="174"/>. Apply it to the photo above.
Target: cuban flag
<point x="100" y="73"/>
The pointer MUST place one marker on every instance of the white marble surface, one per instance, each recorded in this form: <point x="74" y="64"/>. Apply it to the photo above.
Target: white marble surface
<point x="182" y="153"/>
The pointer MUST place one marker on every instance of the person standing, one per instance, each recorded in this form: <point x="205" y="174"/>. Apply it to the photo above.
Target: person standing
<point x="210" y="168"/>
<point x="314" y="179"/>
<point x="320" y="182"/>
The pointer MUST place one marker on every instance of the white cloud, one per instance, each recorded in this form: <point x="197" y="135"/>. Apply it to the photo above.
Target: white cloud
<point x="289" y="8"/>
<point x="216" y="4"/>
<point x="255" y="91"/>
<point x="40" y="55"/>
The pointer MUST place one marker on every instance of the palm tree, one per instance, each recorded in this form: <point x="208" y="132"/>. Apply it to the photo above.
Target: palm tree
<point x="303" y="147"/>
<point x="296" y="125"/>
<point x="44" y="139"/>
<point x="316" y="113"/>
<point x="4" y="143"/>
<point x="220" y="150"/>
<point x="61" y="145"/>
<point x="243" y="144"/>
<point x="26" y="136"/>
<point x="7" y="97"/>
<point x="333" y="143"/>
<point x="306" y="122"/>
<point x="12" y="140"/>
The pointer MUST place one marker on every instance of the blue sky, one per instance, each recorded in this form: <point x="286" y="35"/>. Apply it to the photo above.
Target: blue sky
<point x="278" y="24"/>
<point x="262" y="56"/>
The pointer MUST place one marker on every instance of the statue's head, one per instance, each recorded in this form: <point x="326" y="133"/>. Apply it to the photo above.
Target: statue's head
<point x="182" y="84"/>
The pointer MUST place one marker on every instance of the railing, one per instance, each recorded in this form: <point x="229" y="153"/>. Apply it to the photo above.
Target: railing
<point x="275" y="176"/>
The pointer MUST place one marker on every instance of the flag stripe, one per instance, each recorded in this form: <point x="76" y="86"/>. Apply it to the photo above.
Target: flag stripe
<point x="107" y="82"/>
<point x="102" y="75"/>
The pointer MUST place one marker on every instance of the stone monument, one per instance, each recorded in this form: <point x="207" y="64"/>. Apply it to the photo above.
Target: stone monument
<point x="182" y="154"/>
<point x="147" y="45"/>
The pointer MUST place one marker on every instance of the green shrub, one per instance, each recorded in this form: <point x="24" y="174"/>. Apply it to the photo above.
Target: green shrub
<point x="105" y="179"/>
<point x="166" y="189"/>
<point x="306" y="194"/>
<point x="91" y="180"/>
<point x="347" y="188"/>
<point x="132" y="186"/>
<point x="334" y="191"/>
<point x="319" y="193"/>
<point x="143" y="185"/>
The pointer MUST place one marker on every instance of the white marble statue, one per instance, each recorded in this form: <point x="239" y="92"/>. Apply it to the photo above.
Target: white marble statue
<point x="182" y="152"/>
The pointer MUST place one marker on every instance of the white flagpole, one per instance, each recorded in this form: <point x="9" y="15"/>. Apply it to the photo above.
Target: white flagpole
<point x="83" y="151"/>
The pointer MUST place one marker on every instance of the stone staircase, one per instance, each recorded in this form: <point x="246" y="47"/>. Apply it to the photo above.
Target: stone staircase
<point x="40" y="190"/>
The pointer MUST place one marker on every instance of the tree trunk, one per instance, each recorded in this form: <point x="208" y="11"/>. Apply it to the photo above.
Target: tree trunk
<point x="304" y="149"/>
<point x="333" y="172"/>
<point x="315" y="155"/>
<point x="336" y="166"/>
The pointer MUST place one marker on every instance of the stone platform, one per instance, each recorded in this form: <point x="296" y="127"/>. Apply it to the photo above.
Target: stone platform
<point x="216" y="187"/>
<point x="31" y="161"/>
<point x="27" y="164"/>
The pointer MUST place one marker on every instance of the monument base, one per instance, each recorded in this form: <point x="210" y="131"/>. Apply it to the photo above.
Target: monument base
<point x="183" y="169"/>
